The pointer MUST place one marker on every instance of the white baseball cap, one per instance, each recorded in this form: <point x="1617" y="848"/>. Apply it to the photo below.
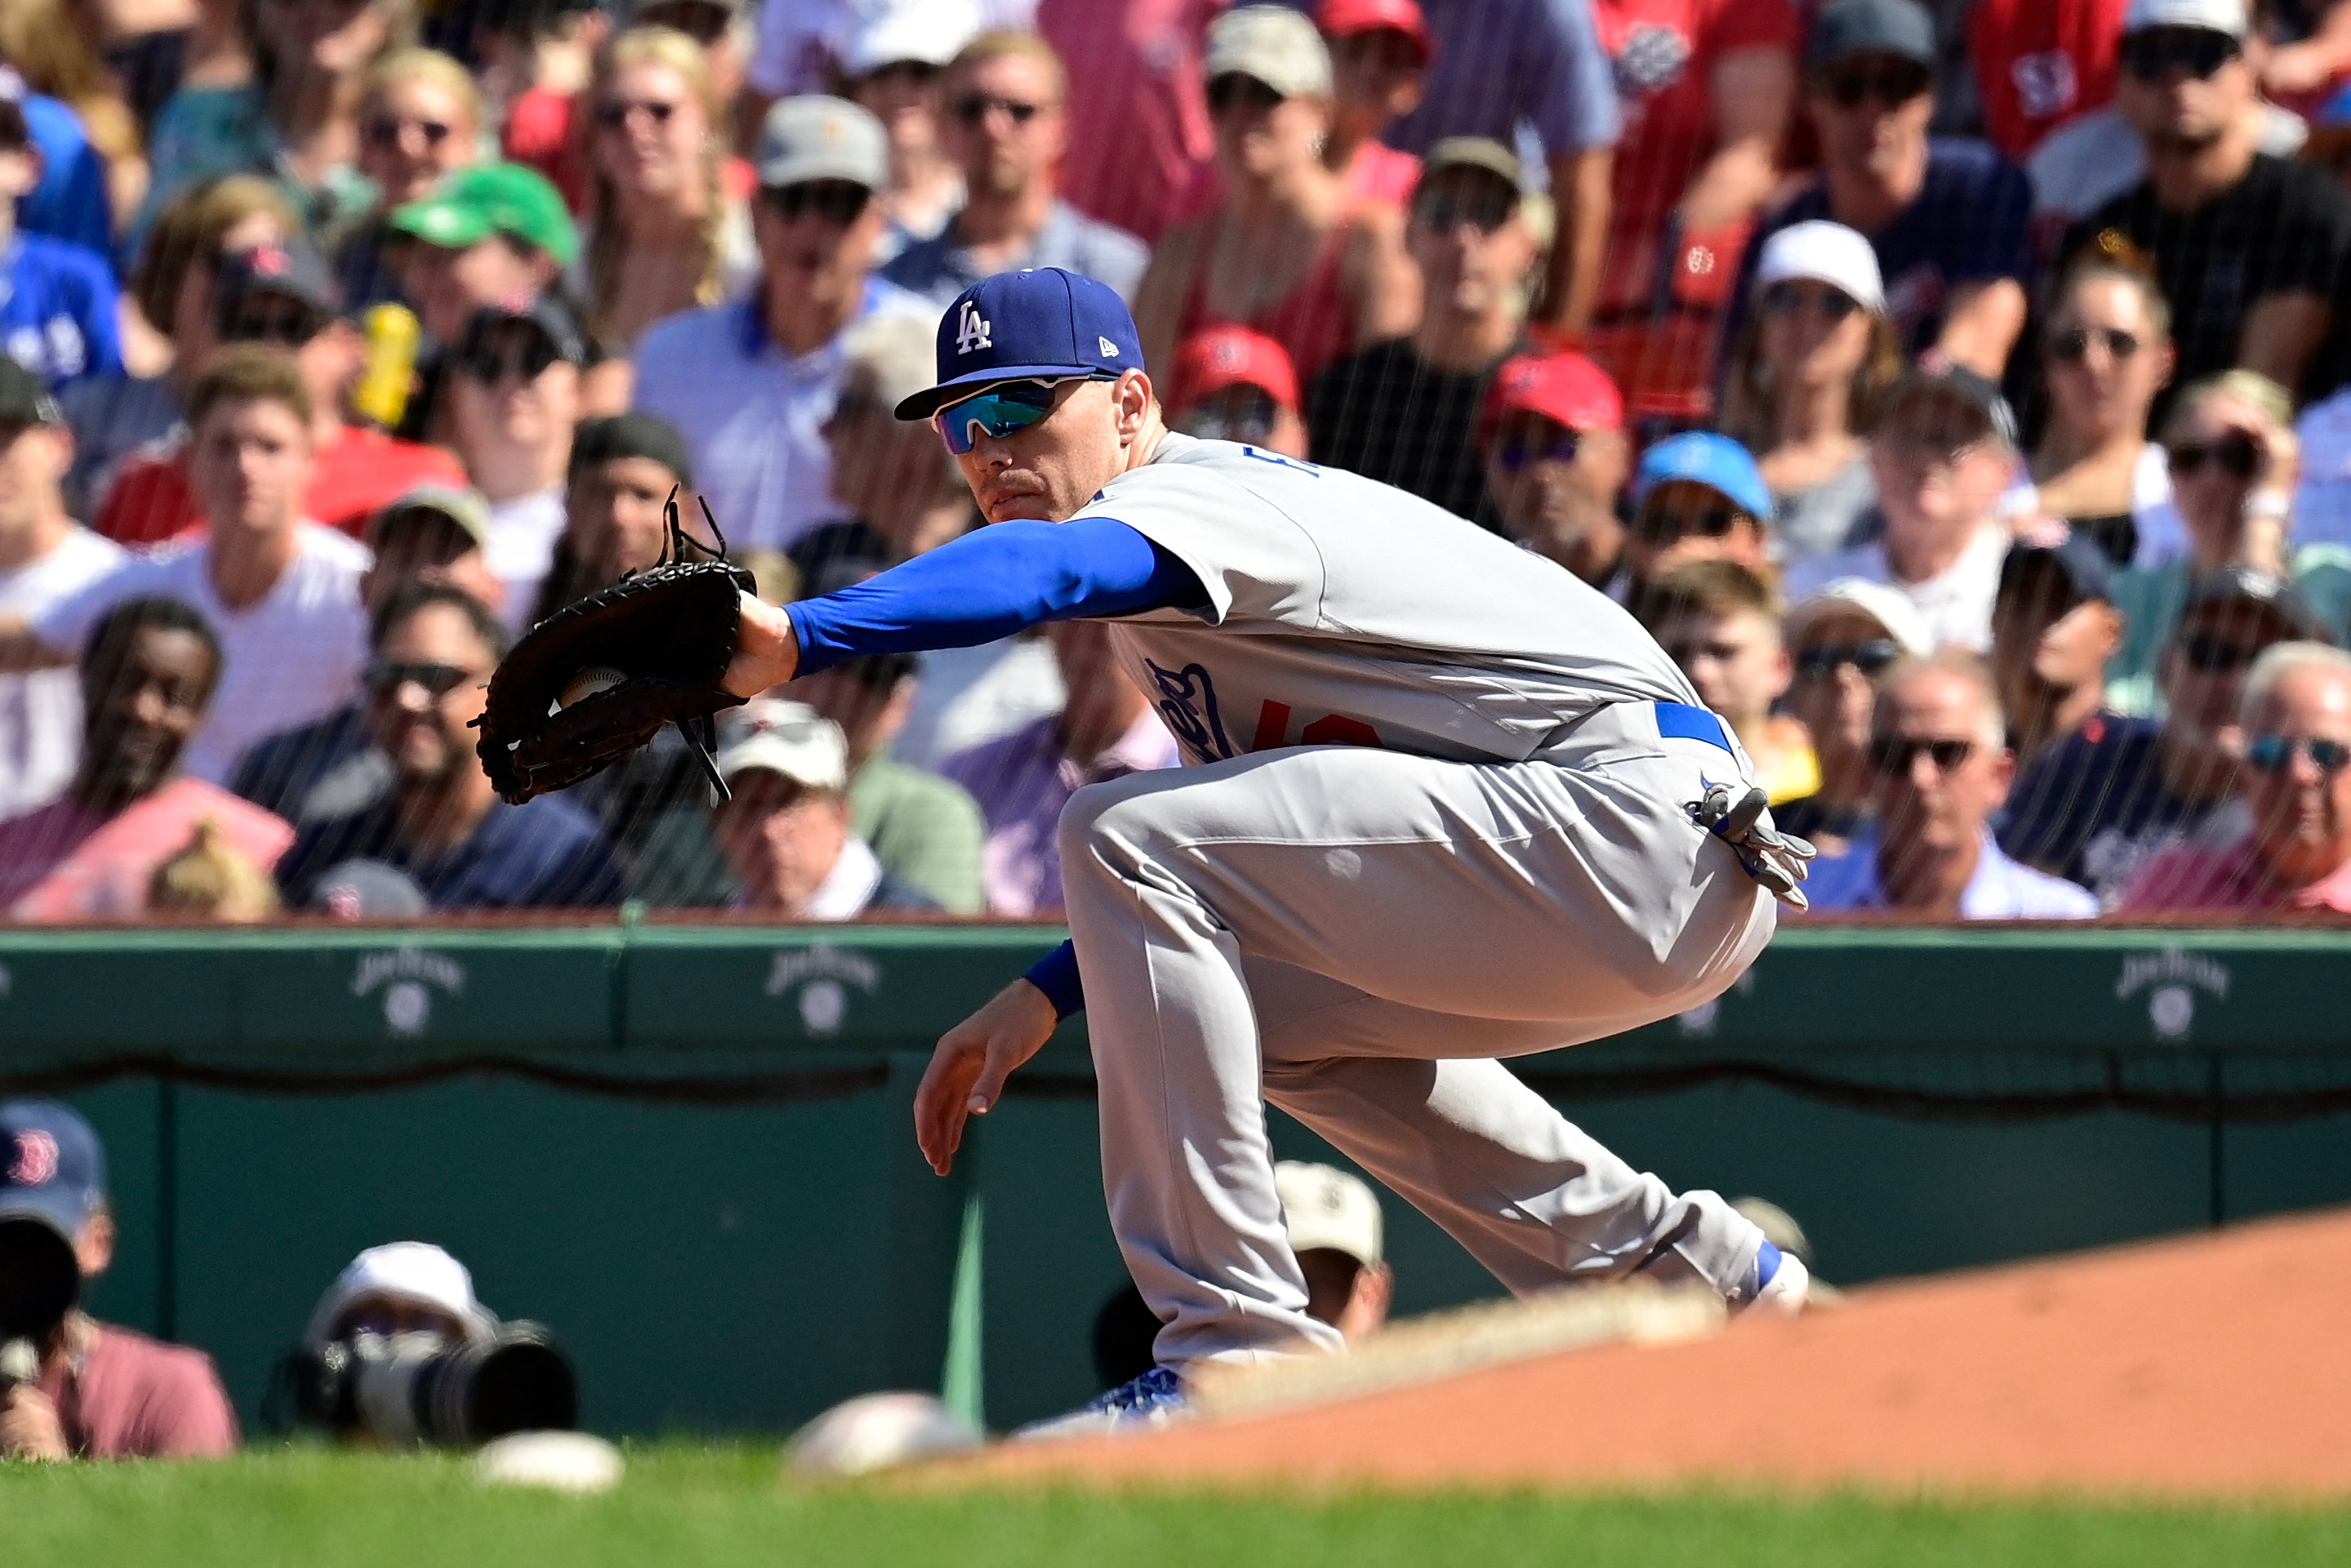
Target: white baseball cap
<point x="1826" y="252"/>
<point x="412" y="1271"/>
<point x="929" y="32"/>
<point x="1274" y="44"/>
<point x="1325" y="1207"/>
<point x="2212" y="16"/>
<point x="1888" y="606"/>
<point x="785" y="738"/>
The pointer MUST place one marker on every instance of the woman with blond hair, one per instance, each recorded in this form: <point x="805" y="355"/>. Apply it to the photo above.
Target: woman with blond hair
<point x="669" y="233"/>
<point x="420" y="117"/>
<point x="1814" y="358"/>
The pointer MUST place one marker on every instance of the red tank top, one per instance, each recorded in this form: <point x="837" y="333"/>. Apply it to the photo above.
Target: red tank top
<point x="1313" y="322"/>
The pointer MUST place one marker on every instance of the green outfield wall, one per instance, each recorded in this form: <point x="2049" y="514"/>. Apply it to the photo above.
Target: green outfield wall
<point x="688" y="1148"/>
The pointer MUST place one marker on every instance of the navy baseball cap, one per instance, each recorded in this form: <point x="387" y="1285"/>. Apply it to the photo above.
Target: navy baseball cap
<point x="1028" y="326"/>
<point x="51" y="1166"/>
<point x="1702" y="458"/>
<point x="2054" y="547"/>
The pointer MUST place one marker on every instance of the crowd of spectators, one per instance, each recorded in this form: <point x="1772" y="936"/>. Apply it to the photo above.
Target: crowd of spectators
<point x="1962" y="393"/>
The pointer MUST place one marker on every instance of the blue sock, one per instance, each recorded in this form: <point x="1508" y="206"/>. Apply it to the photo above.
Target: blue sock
<point x="1767" y="1263"/>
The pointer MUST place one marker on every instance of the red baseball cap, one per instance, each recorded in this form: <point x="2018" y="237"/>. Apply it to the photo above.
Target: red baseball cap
<point x="1225" y="355"/>
<point x="1568" y="388"/>
<point x="1338" y="18"/>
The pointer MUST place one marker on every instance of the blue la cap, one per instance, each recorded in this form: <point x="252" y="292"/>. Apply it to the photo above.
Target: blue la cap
<point x="1705" y="458"/>
<point x="1028" y="326"/>
<point x="51" y="1166"/>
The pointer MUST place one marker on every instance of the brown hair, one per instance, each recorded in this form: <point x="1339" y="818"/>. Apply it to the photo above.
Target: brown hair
<point x="1715" y="589"/>
<point x="2097" y="268"/>
<point x="999" y="43"/>
<point x="608" y="249"/>
<point x="189" y="231"/>
<point x="249" y="373"/>
<point x="1746" y="414"/>
<point x="51" y="43"/>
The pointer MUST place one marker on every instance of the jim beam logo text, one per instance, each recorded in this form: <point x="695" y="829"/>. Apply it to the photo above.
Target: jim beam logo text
<point x="822" y="976"/>
<point x="408" y="977"/>
<point x="2171" y="980"/>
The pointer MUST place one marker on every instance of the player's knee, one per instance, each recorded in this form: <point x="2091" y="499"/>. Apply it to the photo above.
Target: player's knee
<point x="1106" y="824"/>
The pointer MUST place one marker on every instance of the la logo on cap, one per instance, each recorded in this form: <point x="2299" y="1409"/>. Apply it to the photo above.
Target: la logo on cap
<point x="972" y="331"/>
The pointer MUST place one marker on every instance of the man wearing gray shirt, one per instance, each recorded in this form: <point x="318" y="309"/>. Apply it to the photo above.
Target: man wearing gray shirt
<point x="1006" y="127"/>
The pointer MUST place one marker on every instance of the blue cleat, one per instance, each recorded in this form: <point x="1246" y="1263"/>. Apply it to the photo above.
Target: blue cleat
<point x="1140" y="1405"/>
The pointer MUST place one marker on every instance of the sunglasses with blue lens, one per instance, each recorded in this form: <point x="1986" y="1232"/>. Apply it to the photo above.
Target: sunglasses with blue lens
<point x="2275" y="753"/>
<point x="1000" y="412"/>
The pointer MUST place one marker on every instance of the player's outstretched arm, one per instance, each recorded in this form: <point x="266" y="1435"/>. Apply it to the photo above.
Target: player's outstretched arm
<point x="967" y="1070"/>
<point x="767" y="652"/>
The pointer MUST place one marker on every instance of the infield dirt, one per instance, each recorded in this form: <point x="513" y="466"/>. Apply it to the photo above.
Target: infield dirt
<point x="2210" y="1368"/>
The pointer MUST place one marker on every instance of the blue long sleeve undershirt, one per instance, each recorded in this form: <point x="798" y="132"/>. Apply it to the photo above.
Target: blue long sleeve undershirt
<point x="992" y="583"/>
<point x="989" y="584"/>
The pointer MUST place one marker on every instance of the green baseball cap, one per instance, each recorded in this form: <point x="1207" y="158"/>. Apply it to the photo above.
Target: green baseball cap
<point x="487" y="199"/>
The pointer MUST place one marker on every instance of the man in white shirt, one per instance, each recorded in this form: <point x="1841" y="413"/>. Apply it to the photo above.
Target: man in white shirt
<point x="282" y="594"/>
<point x="785" y="827"/>
<point x="44" y="556"/>
<point x="1943" y="453"/>
<point x="751" y="382"/>
<point x="515" y="392"/>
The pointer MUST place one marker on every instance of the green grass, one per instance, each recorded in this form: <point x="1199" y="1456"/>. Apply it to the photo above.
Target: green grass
<point x="684" y="1504"/>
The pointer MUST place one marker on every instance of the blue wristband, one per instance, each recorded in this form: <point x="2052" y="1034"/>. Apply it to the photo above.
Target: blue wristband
<point x="1056" y="975"/>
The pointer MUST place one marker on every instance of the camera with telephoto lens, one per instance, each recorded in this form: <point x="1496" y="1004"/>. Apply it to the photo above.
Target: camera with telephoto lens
<point x="40" y="1280"/>
<point x="421" y="1387"/>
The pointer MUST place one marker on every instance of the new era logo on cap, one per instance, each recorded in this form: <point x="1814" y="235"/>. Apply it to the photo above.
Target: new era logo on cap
<point x="1040" y="325"/>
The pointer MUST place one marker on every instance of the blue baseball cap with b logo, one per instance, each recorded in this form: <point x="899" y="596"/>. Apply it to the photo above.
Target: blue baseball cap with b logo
<point x="1028" y="326"/>
<point x="52" y="1168"/>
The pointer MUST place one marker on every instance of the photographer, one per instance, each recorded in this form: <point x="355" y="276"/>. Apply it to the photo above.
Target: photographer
<point x="96" y="1391"/>
<point x="399" y="1349"/>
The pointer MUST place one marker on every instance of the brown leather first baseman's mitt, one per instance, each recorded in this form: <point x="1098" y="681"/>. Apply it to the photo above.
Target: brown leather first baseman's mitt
<point x="599" y="678"/>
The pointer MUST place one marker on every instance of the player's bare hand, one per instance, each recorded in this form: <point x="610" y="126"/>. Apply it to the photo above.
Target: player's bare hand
<point x="967" y="1074"/>
<point x="767" y="653"/>
<point x="30" y="1428"/>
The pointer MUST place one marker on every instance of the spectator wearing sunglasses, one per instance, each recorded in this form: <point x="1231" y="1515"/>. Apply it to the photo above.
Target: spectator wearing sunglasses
<point x="1806" y="379"/>
<point x="1232" y="384"/>
<point x="2295" y="852"/>
<point x="1696" y="496"/>
<point x="894" y="69"/>
<point x="1941" y="459"/>
<point x="1552" y="438"/>
<point x="440" y="824"/>
<point x="1288" y="253"/>
<point x="488" y="233"/>
<point x="1008" y="129"/>
<point x="1720" y="623"/>
<point x="330" y="768"/>
<point x="2252" y="249"/>
<point x="2106" y="351"/>
<point x="1947" y="219"/>
<point x="752" y="383"/>
<point x="2233" y="458"/>
<point x="280" y="593"/>
<point x="516" y="397"/>
<point x="2099" y="803"/>
<point x="281" y="295"/>
<point x="1841" y="642"/>
<point x="1501" y="64"/>
<point x="172" y="286"/>
<point x="1939" y="767"/>
<point x="1405" y="411"/>
<point x="58" y="299"/>
<point x="149" y="677"/>
<point x="420" y="120"/>
<point x="671" y="232"/>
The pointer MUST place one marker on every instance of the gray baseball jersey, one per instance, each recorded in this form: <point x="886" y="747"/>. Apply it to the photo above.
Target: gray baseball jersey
<point x="1344" y="610"/>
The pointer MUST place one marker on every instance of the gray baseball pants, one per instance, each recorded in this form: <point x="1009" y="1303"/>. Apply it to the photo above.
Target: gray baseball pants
<point x="1356" y="934"/>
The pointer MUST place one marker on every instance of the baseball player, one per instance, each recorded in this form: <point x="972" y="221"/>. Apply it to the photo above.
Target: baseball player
<point x="1443" y="804"/>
